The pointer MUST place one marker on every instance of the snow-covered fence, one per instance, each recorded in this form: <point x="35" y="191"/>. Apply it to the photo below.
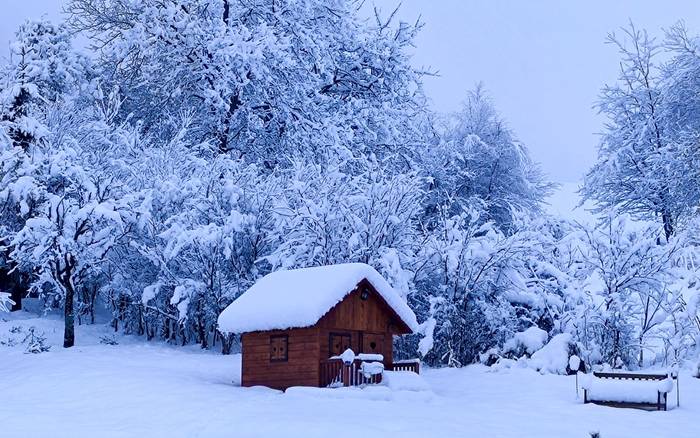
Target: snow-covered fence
<point x="407" y="365"/>
<point x="628" y="389"/>
<point x="335" y="373"/>
<point x="363" y="369"/>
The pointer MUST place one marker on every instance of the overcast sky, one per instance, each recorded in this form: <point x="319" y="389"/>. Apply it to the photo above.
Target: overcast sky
<point x="543" y="61"/>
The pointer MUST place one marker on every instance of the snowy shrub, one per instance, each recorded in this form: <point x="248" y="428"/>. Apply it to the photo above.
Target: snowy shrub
<point x="10" y="342"/>
<point x="553" y="357"/>
<point x="528" y="341"/>
<point x="490" y="357"/>
<point x="35" y="342"/>
<point x="109" y="340"/>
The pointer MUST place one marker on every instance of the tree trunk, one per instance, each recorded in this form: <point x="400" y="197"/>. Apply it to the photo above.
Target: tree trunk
<point x="93" y="298"/>
<point x="669" y="226"/>
<point x="69" y="316"/>
<point x="233" y="104"/>
<point x="641" y="351"/>
<point x="226" y="343"/>
<point x="227" y="11"/>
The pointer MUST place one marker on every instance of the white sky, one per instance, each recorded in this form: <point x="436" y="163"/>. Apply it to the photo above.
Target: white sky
<point x="543" y="61"/>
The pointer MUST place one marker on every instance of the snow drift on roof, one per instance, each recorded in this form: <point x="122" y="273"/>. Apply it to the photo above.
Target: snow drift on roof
<point x="300" y="297"/>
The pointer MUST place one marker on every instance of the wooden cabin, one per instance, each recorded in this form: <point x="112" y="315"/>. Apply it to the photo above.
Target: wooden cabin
<point x="294" y="324"/>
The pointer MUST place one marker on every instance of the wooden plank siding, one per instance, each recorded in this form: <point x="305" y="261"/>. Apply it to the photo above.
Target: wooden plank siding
<point x="359" y="318"/>
<point x="372" y="315"/>
<point x="300" y="369"/>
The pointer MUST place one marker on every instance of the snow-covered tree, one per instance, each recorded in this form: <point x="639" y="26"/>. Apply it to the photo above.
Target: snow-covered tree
<point x="268" y="81"/>
<point x="629" y="279"/>
<point x="642" y="167"/>
<point x="326" y="216"/>
<point x="72" y="230"/>
<point x="480" y="159"/>
<point x="42" y="68"/>
<point x="208" y="142"/>
<point x="39" y="91"/>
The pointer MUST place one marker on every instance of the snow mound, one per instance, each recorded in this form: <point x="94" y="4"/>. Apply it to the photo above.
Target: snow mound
<point x="300" y="297"/>
<point x="553" y="357"/>
<point x="370" y="392"/>
<point x="529" y="340"/>
<point x="370" y="369"/>
<point x="370" y="357"/>
<point x="404" y="381"/>
<point x="574" y="363"/>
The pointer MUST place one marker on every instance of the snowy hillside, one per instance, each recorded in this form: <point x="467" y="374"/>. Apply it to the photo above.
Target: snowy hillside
<point x="157" y="390"/>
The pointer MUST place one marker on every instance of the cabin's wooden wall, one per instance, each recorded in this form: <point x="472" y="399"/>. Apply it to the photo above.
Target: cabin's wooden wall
<point x="356" y="316"/>
<point x="300" y="369"/>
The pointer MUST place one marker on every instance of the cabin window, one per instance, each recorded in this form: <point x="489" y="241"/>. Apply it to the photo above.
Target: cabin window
<point x="278" y="348"/>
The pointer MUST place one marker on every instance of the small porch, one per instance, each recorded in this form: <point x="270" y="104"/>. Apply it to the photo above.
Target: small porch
<point x="360" y="370"/>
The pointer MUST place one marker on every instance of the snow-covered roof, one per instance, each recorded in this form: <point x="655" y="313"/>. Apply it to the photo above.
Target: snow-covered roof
<point x="300" y="297"/>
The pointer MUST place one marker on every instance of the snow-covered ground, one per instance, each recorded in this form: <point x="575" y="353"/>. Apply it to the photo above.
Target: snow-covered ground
<point x="152" y="389"/>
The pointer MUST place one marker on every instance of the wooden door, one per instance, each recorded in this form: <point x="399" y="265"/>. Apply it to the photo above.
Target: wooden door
<point x="339" y="342"/>
<point x="373" y="343"/>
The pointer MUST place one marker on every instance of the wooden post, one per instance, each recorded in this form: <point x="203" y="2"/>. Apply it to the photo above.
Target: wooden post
<point x="346" y="374"/>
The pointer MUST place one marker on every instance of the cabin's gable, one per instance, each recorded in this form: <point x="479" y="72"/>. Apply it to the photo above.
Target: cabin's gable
<point x="363" y="309"/>
<point x="363" y="322"/>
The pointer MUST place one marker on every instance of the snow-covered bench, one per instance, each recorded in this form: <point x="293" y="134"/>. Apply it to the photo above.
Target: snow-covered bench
<point x="643" y="391"/>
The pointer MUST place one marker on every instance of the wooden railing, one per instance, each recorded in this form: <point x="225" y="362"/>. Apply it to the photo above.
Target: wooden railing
<point x="407" y="365"/>
<point x="331" y="373"/>
<point x="334" y="373"/>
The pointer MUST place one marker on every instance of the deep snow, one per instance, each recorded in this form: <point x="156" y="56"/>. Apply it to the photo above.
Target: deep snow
<point x="138" y="388"/>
